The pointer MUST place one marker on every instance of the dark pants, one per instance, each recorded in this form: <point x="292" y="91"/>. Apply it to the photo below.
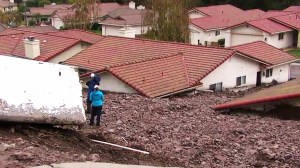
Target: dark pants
<point x="88" y="105"/>
<point x="96" y="112"/>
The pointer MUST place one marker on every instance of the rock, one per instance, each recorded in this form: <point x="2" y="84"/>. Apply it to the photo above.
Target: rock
<point x="94" y="157"/>
<point x="22" y="156"/>
<point x="119" y="122"/>
<point x="4" y="146"/>
<point x="83" y="157"/>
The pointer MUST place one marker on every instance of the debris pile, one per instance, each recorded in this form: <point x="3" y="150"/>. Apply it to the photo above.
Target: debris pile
<point x="187" y="129"/>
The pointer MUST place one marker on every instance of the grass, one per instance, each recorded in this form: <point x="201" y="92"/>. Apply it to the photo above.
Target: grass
<point x="295" y="52"/>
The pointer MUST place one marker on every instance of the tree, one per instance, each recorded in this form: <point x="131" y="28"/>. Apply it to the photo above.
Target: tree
<point x="168" y="20"/>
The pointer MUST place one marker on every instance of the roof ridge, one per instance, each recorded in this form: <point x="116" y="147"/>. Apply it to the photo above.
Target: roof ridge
<point x="81" y="31"/>
<point x="171" y="42"/>
<point x="146" y="60"/>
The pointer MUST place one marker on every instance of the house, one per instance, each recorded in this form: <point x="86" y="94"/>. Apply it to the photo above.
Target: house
<point x="6" y="6"/>
<point x="124" y="22"/>
<point x="44" y="13"/>
<point x="40" y="46"/>
<point x="216" y="10"/>
<point x="61" y="16"/>
<point x="285" y="95"/>
<point x="267" y="30"/>
<point x="157" y="69"/>
<point x="209" y="30"/>
<point x="49" y="93"/>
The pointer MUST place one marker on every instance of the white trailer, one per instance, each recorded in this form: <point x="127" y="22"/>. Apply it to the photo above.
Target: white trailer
<point x="39" y="92"/>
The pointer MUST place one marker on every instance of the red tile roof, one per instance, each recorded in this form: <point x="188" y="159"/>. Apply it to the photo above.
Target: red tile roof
<point x="6" y="3"/>
<point x="50" y="45"/>
<point x="84" y="36"/>
<point x="269" y="26"/>
<point x="281" y="92"/>
<point x="290" y="20"/>
<point x="123" y="20"/>
<point x="293" y="9"/>
<point x="265" y="53"/>
<point x="64" y="13"/>
<point x="41" y="10"/>
<point x="113" y="51"/>
<point x="219" y="10"/>
<point x="169" y="75"/>
<point x="59" y="6"/>
<point x="39" y="29"/>
<point x="222" y="22"/>
<point x="274" y="13"/>
<point x="8" y="43"/>
<point x="105" y="8"/>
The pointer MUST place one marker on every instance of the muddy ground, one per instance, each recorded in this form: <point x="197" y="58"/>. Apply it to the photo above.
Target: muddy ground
<point x="177" y="131"/>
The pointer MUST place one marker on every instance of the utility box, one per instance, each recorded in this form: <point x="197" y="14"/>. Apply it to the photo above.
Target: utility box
<point x="39" y="92"/>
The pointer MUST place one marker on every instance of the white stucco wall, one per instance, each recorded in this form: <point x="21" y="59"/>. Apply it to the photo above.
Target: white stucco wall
<point x="242" y="35"/>
<point x="48" y="93"/>
<point x="57" y="22"/>
<point x="232" y="68"/>
<point x="69" y="52"/>
<point x="280" y="74"/>
<point x="199" y="34"/>
<point x="111" y="84"/>
<point x="110" y="30"/>
<point x="247" y="34"/>
<point x="286" y="42"/>
<point x="195" y="14"/>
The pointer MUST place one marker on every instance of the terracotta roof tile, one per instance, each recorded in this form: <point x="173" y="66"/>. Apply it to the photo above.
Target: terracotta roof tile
<point x="112" y="51"/>
<point x="281" y="92"/>
<point x="155" y="77"/>
<point x="59" y="6"/>
<point x="269" y="26"/>
<point x="274" y="13"/>
<point x="222" y="22"/>
<point x="8" y="43"/>
<point x="6" y="3"/>
<point x="85" y="36"/>
<point x="50" y="45"/>
<point x="219" y="10"/>
<point x="265" y="53"/>
<point x="290" y="20"/>
<point x="105" y="8"/>
<point x="41" y="10"/>
<point x="124" y="20"/>
<point x="293" y="9"/>
<point x="39" y="29"/>
<point x="64" y="13"/>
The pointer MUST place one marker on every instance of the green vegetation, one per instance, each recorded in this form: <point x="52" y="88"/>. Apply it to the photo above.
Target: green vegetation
<point x="295" y="52"/>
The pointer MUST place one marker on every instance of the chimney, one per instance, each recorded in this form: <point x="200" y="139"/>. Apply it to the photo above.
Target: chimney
<point x="131" y="5"/>
<point x="32" y="47"/>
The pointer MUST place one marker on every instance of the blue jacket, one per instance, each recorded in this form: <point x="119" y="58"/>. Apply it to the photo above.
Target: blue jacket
<point x="97" y="98"/>
<point x="91" y="84"/>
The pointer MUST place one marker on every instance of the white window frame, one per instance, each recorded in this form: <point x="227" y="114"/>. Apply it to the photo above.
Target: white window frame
<point x="243" y="80"/>
<point x="280" y="36"/>
<point x="269" y="73"/>
<point x="215" y="88"/>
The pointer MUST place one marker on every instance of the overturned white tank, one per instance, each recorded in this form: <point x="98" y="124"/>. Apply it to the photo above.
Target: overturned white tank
<point x="39" y="92"/>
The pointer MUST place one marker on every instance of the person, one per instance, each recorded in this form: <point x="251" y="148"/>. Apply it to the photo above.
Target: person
<point x="95" y="80"/>
<point x="97" y="99"/>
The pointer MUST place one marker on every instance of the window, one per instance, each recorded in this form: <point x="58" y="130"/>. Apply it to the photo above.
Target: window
<point x="240" y="80"/>
<point x="199" y="42"/>
<point x="280" y="36"/>
<point x="216" y="87"/>
<point x="218" y="32"/>
<point x="269" y="72"/>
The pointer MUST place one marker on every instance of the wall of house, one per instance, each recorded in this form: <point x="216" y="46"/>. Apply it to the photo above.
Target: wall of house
<point x="112" y="84"/>
<point x="201" y="35"/>
<point x="6" y="9"/>
<point x="49" y="93"/>
<point x="57" y="22"/>
<point x="108" y="30"/>
<point x="286" y="42"/>
<point x="242" y="35"/>
<point x="232" y="68"/>
<point x="195" y="14"/>
<point x="69" y="53"/>
<point x="280" y="74"/>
